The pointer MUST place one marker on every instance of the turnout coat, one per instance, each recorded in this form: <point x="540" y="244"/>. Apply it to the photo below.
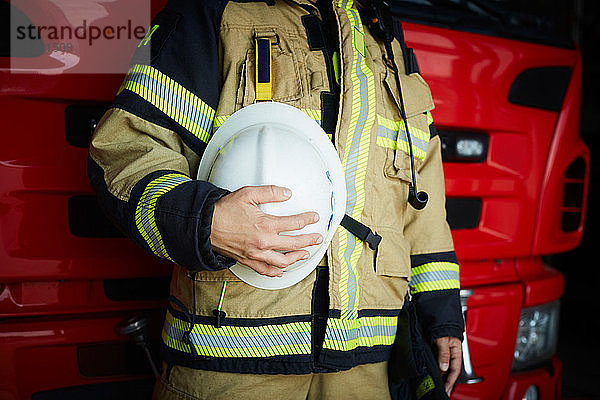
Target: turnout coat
<point x="197" y="66"/>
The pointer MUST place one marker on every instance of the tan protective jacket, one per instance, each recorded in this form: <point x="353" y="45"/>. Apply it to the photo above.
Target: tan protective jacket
<point x="196" y="68"/>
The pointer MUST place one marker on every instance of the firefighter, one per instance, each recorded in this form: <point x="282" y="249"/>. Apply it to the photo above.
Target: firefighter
<point x="329" y="335"/>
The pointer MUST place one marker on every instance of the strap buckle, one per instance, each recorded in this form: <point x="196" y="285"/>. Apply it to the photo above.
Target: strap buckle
<point x="373" y="240"/>
<point x="361" y="231"/>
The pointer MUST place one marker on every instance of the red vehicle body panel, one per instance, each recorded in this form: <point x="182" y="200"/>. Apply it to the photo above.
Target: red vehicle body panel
<point x="53" y="283"/>
<point x="521" y="182"/>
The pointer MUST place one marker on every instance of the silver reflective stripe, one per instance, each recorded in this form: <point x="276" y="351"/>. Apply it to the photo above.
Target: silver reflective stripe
<point x="171" y="98"/>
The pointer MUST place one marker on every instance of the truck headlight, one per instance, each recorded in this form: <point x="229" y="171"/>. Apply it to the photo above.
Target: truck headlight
<point x="537" y="335"/>
<point x="463" y="146"/>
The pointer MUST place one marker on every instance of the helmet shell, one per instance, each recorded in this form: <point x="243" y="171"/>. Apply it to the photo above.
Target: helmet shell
<point x="276" y="144"/>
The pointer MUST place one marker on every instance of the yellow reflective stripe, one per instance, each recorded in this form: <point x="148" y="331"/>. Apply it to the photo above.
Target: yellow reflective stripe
<point x="388" y="137"/>
<point x="239" y="341"/>
<point x="174" y="343"/>
<point x="418" y="133"/>
<point x="426" y="386"/>
<point x="219" y="120"/>
<point x="145" y="220"/>
<point x="395" y="125"/>
<point x="335" y="59"/>
<point x="178" y="103"/>
<point x="386" y="142"/>
<point x="316" y="116"/>
<point x="354" y="161"/>
<point x="313" y="114"/>
<point x="429" y="118"/>
<point x="148" y="35"/>
<point x="347" y="335"/>
<point x="388" y="123"/>
<point x="435" y="266"/>
<point x="435" y="285"/>
<point x="435" y="276"/>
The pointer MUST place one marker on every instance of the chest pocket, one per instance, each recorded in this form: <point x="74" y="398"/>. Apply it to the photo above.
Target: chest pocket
<point x="392" y="133"/>
<point x="285" y="73"/>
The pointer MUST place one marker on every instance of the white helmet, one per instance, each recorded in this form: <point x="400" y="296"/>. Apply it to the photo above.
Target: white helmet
<point x="276" y="144"/>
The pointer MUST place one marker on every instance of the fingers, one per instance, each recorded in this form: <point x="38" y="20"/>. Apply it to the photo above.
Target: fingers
<point x="243" y="232"/>
<point x="277" y="259"/>
<point x="262" y="268"/>
<point x="294" y="222"/>
<point x="443" y="348"/>
<point x="272" y="193"/>
<point x="266" y="194"/>
<point x="449" y="360"/>
<point x="272" y="263"/>
<point x="297" y="242"/>
<point x="455" y="364"/>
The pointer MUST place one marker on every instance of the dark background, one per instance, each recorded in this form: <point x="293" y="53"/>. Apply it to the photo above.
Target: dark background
<point x="578" y="346"/>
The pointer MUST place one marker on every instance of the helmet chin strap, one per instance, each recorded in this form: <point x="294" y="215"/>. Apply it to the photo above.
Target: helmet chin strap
<point x="382" y="25"/>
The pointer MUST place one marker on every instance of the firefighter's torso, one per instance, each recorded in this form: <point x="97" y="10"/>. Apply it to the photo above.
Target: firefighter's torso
<point x="217" y="322"/>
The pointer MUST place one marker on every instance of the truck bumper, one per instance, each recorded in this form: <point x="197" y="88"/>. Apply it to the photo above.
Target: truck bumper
<point x="547" y="380"/>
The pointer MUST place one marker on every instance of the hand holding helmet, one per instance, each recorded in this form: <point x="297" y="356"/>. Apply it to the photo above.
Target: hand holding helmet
<point x="240" y="230"/>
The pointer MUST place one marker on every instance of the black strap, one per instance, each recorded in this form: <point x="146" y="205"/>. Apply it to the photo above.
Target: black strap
<point x="329" y="109"/>
<point x="361" y="231"/>
<point x="410" y="60"/>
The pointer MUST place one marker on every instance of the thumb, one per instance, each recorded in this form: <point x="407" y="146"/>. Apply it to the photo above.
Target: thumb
<point x="269" y="194"/>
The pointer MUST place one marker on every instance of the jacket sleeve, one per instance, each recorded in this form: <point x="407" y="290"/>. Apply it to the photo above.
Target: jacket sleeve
<point x="434" y="284"/>
<point x="162" y="116"/>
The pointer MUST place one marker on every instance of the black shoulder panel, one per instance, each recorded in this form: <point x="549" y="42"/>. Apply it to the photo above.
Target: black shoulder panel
<point x="173" y="79"/>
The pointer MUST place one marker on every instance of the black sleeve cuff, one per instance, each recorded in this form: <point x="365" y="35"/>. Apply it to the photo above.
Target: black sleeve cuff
<point x="182" y="218"/>
<point x="205" y="249"/>
<point x="440" y="313"/>
<point x="447" y="331"/>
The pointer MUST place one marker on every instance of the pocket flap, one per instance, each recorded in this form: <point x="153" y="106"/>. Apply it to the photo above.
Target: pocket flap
<point x="415" y="93"/>
<point x="393" y="255"/>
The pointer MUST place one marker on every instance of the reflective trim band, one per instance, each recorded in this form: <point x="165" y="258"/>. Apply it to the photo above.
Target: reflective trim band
<point x="426" y="386"/>
<point x="144" y="212"/>
<point x="347" y="335"/>
<point x="313" y="114"/>
<point x="178" y="103"/>
<point x="219" y="120"/>
<point x="239" y="341"/>
<point x="316" y="116"/>
<point x="146" y="39"/>
<point x="335" y="60"/>
<point x="429" y="118"/>
<point x="434" y="276"/>
<point x="263" y="69"/>
<point x="387" y="136"/>
<point x="354" y="161"/>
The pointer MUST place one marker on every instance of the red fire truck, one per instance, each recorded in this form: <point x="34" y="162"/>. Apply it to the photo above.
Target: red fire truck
<point x="73" y="291"/>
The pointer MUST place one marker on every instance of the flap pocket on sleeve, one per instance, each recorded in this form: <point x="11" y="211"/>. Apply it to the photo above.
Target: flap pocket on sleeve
<point x="393" y="134"/>
<point x="393" y="255"/>
<point x="415" y="93"/>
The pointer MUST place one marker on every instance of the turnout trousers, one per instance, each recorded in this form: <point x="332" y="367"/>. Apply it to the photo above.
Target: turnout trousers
<point x="364" y="382"/>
